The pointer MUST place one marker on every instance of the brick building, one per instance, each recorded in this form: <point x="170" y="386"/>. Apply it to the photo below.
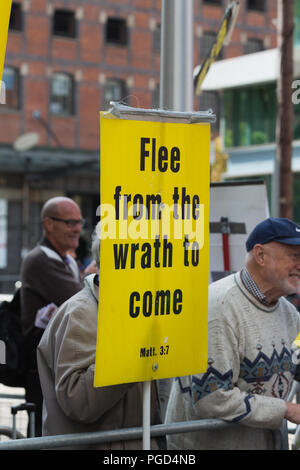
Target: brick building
<point x="65" y="60"/>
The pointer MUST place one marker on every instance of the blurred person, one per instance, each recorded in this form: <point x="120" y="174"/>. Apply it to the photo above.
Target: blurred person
<point x="66" y="363"/>
<point x="295" y="300"/>
<point x="82" y="257"/>
<point x="251" y="364"/>
<point x="49" y="276"/>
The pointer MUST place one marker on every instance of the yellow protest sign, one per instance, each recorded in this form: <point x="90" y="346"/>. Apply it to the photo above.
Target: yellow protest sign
<point x="154" y="264"/>
<point x="5" y="9"/>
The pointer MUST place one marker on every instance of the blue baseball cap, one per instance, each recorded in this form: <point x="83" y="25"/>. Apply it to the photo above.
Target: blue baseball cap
<point x="274" y="230"/>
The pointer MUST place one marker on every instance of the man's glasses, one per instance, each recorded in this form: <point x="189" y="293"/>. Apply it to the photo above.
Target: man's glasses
<point x="69" y="222"/>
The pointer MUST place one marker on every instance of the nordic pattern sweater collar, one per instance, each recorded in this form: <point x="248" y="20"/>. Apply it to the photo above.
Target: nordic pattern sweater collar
<point x="251" y="297"/>
<point x="252" y="287"/>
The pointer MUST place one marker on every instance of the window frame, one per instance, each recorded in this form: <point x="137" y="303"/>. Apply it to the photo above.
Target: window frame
<point x="17" y="15"/>
<point x="69" y="110"/>
<point x="253" y="40"/>
<point x="245" y="123"/>
<point x="207" y="44"/>
<point x="56" y="32"/>
<point x="123" y="91"/>
<point x="17" y="93"/>
<point x="156" y="39"/>
<point x="256" y="6"/>
<point x="218" y="3"/>
<point x="211" y="100"/>
<point x="123" y="42"/>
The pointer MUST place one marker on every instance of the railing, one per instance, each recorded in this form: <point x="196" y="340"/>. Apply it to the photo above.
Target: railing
<point x="10" y="425"/>
<point x="92" y="438"/>
<point x="14" y="396"/>
<point x="82" y="439"/>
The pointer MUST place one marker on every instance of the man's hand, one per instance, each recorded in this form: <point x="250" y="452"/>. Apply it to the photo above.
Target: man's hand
<point x="292" y="413"/>
<point x="91" y="269"/>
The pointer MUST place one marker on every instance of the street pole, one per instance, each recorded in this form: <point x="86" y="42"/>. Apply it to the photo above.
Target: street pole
<point x="177" y="53"/>
<point x="176" y="82"/>
<point x="282" y="204"/>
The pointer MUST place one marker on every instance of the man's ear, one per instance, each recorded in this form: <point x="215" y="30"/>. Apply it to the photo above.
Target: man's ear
<point x="259" y="254"/>
<point x="48" y="224"/>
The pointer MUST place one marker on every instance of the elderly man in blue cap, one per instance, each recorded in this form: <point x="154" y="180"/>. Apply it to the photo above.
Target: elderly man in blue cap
<point x="251" y="360"/>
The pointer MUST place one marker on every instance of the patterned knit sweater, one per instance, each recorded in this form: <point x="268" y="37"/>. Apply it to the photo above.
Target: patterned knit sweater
<point x="249" y="374"/>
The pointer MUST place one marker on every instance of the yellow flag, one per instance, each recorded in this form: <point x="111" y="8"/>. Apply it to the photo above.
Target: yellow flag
<point x="5" y="10"/>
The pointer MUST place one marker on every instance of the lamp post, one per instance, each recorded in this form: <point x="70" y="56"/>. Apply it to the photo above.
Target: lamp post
<point x="282" y="203"/>
<point x="176" y="76"/>
<point x="22" y="144"/>
<point x="176" y="81"/>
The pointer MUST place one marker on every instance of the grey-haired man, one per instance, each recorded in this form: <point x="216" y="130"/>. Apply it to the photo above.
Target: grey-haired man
<point x="49" y="277"/>
<point x="251" y="329"/>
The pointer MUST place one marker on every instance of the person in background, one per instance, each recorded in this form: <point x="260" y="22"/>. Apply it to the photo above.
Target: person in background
<point x="66" y="363"/>
<point x="49" y="277"/>
<point x="251" y="330"/>
<point x="82" y="256"/>
<point x="295" y="300"/>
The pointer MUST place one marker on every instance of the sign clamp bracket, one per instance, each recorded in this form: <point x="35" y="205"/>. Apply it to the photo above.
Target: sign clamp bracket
<point x="164" y="115"/>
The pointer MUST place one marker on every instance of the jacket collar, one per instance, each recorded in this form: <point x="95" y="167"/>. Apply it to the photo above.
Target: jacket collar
<point x="90" y="284"/>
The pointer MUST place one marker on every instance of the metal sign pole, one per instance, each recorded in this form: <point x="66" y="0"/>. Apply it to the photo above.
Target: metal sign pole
<point x="158" y="115"/>
<point x="176" y="83"/>
<point x="176" y="70"/>
<point x="176" y="94"/>
<point x="146" y="415"/>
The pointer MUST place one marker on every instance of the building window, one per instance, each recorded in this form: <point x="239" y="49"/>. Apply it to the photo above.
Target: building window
<point x="213" y="2"/>
<point x="250" y="115"/>
<point x="256" y="5"/>
<point x="296" y="197"/>
<point x="296" y="120"/>
<point x="15" y="22"/>
<point x="11" y="92"/>
<point x="62" y="94"/>
<point x="156" y="38"/>
<point x="156" y="96"/>
<point x="64" y="23"/>
<point x="114" y="90"/>
<point x="211" y="100"/>
<point x="297" y="23"/>
<point x="206" y="42"/>
<point x="253" y="45"/>
<point x="116" y="31"/>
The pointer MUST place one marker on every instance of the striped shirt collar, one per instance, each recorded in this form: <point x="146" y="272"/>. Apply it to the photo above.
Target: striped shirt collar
<point x="252" y="287"/>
